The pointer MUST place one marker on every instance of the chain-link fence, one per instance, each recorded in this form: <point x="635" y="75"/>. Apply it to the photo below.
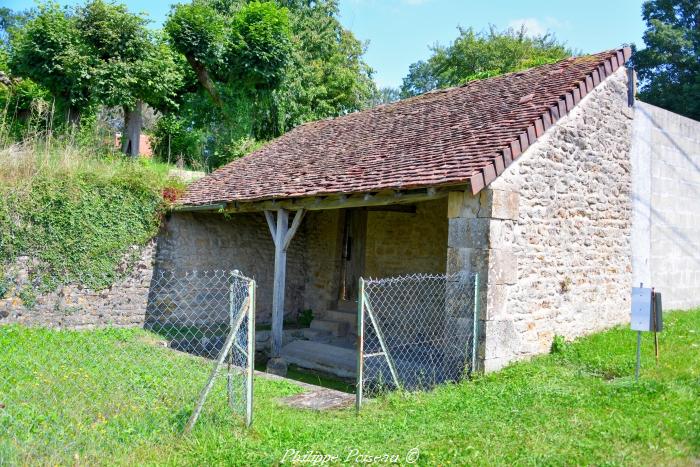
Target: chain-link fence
<point x="416" y="331"/>
<point x="131" y="380"/>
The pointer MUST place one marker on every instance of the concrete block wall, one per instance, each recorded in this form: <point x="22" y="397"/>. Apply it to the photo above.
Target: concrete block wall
<point x="666" y="198"/>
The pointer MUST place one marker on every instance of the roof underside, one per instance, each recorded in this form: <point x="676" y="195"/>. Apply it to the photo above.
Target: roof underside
<point x="461" y="135"/>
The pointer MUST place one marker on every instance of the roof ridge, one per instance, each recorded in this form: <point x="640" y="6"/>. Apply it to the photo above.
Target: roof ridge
<point x="458" y="87"/>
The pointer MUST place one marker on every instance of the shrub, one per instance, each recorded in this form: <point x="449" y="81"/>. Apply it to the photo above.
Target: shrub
<point x="176" y="140"/>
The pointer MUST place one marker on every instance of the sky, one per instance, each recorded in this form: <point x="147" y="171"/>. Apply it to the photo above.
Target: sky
<point x="400" y="32"/>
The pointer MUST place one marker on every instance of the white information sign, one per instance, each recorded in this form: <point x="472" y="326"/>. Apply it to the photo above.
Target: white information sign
<point x="641" y="310"/>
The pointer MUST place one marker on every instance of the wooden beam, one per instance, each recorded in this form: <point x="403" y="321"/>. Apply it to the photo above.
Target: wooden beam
<point x="407" y="208"/>
<point x="271" y="224"/>
<point x="316" y="203"/>
<point x="298" y="217"/>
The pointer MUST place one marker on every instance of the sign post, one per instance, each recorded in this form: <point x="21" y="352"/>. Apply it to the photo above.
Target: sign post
<point x="646" y="316"/>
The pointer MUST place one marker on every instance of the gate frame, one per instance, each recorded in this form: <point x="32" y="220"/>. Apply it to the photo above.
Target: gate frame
<point x="246" y="309"/>
<point x="363" y="306"/>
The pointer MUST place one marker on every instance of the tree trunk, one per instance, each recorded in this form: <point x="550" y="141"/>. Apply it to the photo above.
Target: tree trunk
<point x="131" y="136"/>
<point x="73" y="116"/>
<point x="205" y="80"/>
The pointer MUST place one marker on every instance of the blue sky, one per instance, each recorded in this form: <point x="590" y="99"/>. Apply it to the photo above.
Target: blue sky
<point x="400" y="31"/>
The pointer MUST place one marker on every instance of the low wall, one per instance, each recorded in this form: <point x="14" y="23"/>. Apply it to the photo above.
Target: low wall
<point x="122" y="305"/>
<point x="203" y="241"/>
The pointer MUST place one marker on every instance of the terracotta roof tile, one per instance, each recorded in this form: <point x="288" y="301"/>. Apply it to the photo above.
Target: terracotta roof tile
<point x="465" y="134"/>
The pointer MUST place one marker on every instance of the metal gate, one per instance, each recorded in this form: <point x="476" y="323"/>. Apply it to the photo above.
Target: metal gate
<point x="209" y="314"/>
<point x="415" y="331"/>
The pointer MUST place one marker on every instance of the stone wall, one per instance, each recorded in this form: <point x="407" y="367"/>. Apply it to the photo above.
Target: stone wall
<point x="210" y="241"/>
<point x="123" y="304"/>
<point x="666" y="195"/>
<point x="323" y="239"/>
<point x="550" y="237"/>
<point x="407" y="243"/>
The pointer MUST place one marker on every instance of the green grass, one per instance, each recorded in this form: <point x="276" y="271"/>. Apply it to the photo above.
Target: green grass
<point x="115" y="404"/>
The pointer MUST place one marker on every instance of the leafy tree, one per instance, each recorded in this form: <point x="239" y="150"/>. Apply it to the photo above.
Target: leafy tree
<point x="328" y="76"/>
<point x="248" y="48"/>
<point x="263" y="81"/>
<point x="477" y="55"/>
<point x="131" y="65"/>
<point x="386" y="95"/>
<point x="669" y="66"/>
<point x="49" y="50"/>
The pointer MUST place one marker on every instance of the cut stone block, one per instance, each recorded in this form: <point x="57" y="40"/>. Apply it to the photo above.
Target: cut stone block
<point x="343" y="316"/>
<point x="327" y="358"/>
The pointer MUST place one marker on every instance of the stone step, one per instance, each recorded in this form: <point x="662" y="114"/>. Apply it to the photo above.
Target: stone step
<point x="327" y="358"/>
<point x="337" y="328"/>
<point x="316" y="335"/>
<point x="344" y="316"/>
<point x="347" y="305"/>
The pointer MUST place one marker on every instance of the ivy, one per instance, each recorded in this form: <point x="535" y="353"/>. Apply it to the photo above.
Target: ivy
<point x="80" y="226"/>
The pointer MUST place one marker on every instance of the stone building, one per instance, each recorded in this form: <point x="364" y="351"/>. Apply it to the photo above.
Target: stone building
<point x="524" y="178"/>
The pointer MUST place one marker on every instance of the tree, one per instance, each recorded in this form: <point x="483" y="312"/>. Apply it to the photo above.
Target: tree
<point x="477" y="55"/>
<point x="49" y="50"/>
<point x="669" y="66"/>
<point x="131" y="65"/>
<point x="386" y="95"/>
<point x="247" y="48"/>
<point x="327" y="76"/>
<point x="261" y="81"/>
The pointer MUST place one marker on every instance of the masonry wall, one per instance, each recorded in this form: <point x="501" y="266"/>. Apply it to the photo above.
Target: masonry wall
<point x="551" y="236"/>
<point x="323" y="239"/>
<point x="211" y="241"/>
<point x="666" y="197"/>
<point x="122" y="305"/>
<point x="407" y="243"/>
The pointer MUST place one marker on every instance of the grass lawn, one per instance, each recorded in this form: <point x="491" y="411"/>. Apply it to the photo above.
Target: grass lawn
<point x="120" y="397"/>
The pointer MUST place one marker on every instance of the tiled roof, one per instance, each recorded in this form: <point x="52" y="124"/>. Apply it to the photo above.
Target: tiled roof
<point x="465" y="134"/>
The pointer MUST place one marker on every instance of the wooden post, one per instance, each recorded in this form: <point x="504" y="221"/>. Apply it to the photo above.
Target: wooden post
<point x="279" y="281"/>
<point x="282" y="235"/>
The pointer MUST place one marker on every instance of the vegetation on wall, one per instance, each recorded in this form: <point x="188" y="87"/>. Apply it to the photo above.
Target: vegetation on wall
<point x="76" y="216"/>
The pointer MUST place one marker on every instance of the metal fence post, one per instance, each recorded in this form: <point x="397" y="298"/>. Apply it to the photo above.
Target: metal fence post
<point x="228" y="344"/>
<point x="475" y="324"/>
<point x="250" y="354"/>
<point x="229" y="374"/>
<point x="360" y="343"/>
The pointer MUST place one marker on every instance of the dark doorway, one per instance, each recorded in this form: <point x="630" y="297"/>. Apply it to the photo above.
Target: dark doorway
<point x="353" y="259"/>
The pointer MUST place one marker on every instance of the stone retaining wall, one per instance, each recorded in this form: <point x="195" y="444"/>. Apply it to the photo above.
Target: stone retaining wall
<point x="122" y="305"/>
